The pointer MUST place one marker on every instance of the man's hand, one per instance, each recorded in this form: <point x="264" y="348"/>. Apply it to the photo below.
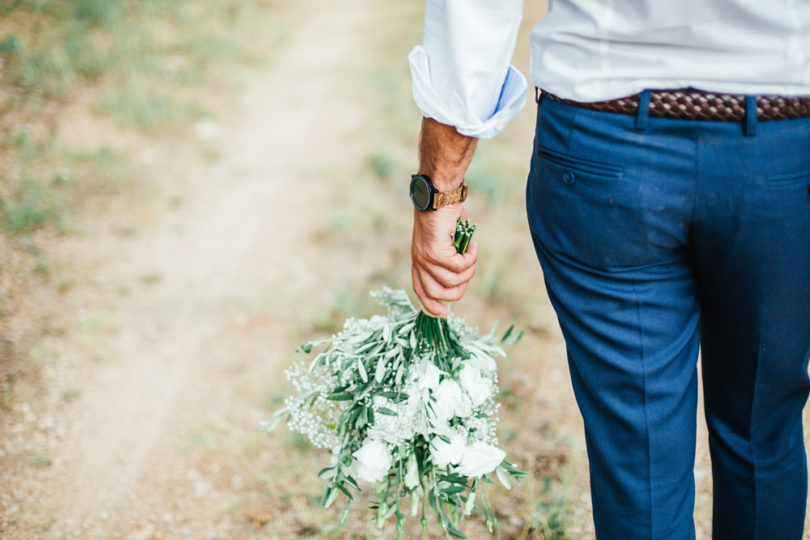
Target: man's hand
<point x="439" y="273"/>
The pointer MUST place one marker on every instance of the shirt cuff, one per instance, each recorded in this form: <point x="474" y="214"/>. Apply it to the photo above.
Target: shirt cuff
<point x="453" y="112"/>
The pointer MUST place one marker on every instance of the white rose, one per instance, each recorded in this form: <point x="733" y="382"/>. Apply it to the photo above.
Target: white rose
<point x="450" y="401"/>
<point x="480" y="458"/>
<point x="426" y="375"/>
<point x="442" y="453"/>
<point x="476" y="386"/>
<point x="373" y="461"/>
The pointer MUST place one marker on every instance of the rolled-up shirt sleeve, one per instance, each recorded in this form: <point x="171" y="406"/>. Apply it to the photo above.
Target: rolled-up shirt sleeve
<point x="461" y="73"/>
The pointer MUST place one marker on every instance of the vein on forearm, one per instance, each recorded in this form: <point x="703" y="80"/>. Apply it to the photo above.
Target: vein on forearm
<point x="444" y="154"/>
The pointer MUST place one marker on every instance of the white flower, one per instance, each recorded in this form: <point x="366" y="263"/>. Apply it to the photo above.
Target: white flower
<point x="482" y="360"/>
<point x="450" y="401"/>
<point x="373" y="461"/>
<point x="411" y="418"/>
<point x="443" y="453"/>
<point x="477" y="387"/>
<point x="480" y="458"/>
<point x="425" y="376"/>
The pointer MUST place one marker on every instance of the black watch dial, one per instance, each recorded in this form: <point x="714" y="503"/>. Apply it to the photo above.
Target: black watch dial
<point x="421" y="192"/>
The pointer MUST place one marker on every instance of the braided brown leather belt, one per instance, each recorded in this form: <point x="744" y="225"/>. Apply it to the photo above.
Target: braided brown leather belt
<point x="699" y="105"/>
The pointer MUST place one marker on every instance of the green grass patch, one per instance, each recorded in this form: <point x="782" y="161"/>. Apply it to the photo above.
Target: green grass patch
<point x="138" y="62"/>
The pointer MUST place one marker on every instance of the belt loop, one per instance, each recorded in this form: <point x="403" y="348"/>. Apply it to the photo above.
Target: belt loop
<point x="536" y="94"/>
<point x="750" y="116"/>
<point x="643" y="112"/>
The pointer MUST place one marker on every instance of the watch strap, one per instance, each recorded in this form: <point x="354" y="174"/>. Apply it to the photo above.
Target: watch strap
<point x="445" y="198"/>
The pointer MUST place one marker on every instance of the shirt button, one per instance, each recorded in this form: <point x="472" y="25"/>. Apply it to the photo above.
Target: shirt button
<point x="568" y="177"/>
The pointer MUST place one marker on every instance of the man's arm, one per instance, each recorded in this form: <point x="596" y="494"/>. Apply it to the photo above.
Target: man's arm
<point x="466" y="89"/>
<point x="439" y="273"/>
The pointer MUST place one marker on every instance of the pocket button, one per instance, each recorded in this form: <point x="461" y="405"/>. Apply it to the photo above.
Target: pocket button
<point x="568" y="177"/>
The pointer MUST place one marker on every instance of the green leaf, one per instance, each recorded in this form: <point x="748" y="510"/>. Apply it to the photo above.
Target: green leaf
<point x="511" y="339"/>
<point x="394" y="396"/>
<point x="451" y="490"/>
<point x="451" y="527"/>
<point x="379" y="372"/>
<point x="271" y="424"/>
<point x="386" y="411"/>
<point x="470" y="504"/>
<point x="342" y="488"/>
<point x="333" y="493"/>
<point x="344" y="396"/>
<point x="362" y="369"/>
<point x="503" y="477"/>
<point x="352" y="482"/>
<point x="344" y="516"/>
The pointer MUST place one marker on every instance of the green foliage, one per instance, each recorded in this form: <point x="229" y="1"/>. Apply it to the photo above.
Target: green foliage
<point x="41" y="461"/>
<point x="551" y="513"/>
<point x="11" y="45"/>
<point x="382" y="164"/>
<point x="27" y="210"/>
<point x="133" y="55"/>
<point x="7" y="391"/>
<point x="139" y="50"/>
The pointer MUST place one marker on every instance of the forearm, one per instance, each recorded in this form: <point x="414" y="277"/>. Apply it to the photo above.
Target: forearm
<point x="440" y="274"/>
<point x="444" y="154"/>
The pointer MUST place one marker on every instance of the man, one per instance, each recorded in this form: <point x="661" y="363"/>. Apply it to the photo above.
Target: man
<point x="663" y="220"/>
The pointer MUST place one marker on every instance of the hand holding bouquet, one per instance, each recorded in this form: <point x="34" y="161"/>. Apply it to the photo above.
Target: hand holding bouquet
<point x="405" y="401"/>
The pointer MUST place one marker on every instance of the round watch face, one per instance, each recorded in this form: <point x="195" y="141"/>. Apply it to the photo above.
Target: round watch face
<point x="420" y="192"/>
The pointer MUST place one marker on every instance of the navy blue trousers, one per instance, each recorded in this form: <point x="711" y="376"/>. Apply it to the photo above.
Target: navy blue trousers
<point x="657" y="238"/>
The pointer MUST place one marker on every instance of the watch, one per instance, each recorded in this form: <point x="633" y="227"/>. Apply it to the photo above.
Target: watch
<point x="425" y="196"/>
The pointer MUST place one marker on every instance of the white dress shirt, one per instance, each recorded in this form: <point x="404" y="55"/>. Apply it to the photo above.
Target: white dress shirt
<point x="593" y="50"/>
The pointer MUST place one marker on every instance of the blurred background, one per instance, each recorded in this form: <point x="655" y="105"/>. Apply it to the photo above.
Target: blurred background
<point x="189" y="189"/>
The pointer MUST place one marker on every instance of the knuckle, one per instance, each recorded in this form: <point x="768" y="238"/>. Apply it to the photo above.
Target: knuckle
<point x="456" y="295"/>
<point x="431" y="255"/>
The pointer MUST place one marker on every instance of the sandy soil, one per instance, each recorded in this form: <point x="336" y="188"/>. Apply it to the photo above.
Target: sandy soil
<point x="183" y="315"/>
<point x="140" y="417"/>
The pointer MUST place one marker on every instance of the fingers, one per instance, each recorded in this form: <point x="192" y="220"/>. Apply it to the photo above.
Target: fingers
<point x="445" y="257"/>
<point x="433" y="295"/>
<point x="440" y="274"/>
<point x="447" y="278"/>
<point x="433" y="307"/>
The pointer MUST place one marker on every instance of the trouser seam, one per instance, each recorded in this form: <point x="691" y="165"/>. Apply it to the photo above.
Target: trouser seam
<point x="646" y="415"/>
<point x="751" y="439"/>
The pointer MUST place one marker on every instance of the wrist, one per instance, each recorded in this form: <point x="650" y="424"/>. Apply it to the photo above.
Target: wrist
<point x="444" y="154"/>
<point x="442" y="179"/>
<point x="427" y="197"/>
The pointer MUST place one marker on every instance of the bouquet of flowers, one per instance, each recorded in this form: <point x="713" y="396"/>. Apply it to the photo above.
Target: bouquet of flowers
<point x="405" y="401"/>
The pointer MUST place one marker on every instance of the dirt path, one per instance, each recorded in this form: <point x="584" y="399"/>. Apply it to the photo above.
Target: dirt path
<point x="188" y="305"/>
